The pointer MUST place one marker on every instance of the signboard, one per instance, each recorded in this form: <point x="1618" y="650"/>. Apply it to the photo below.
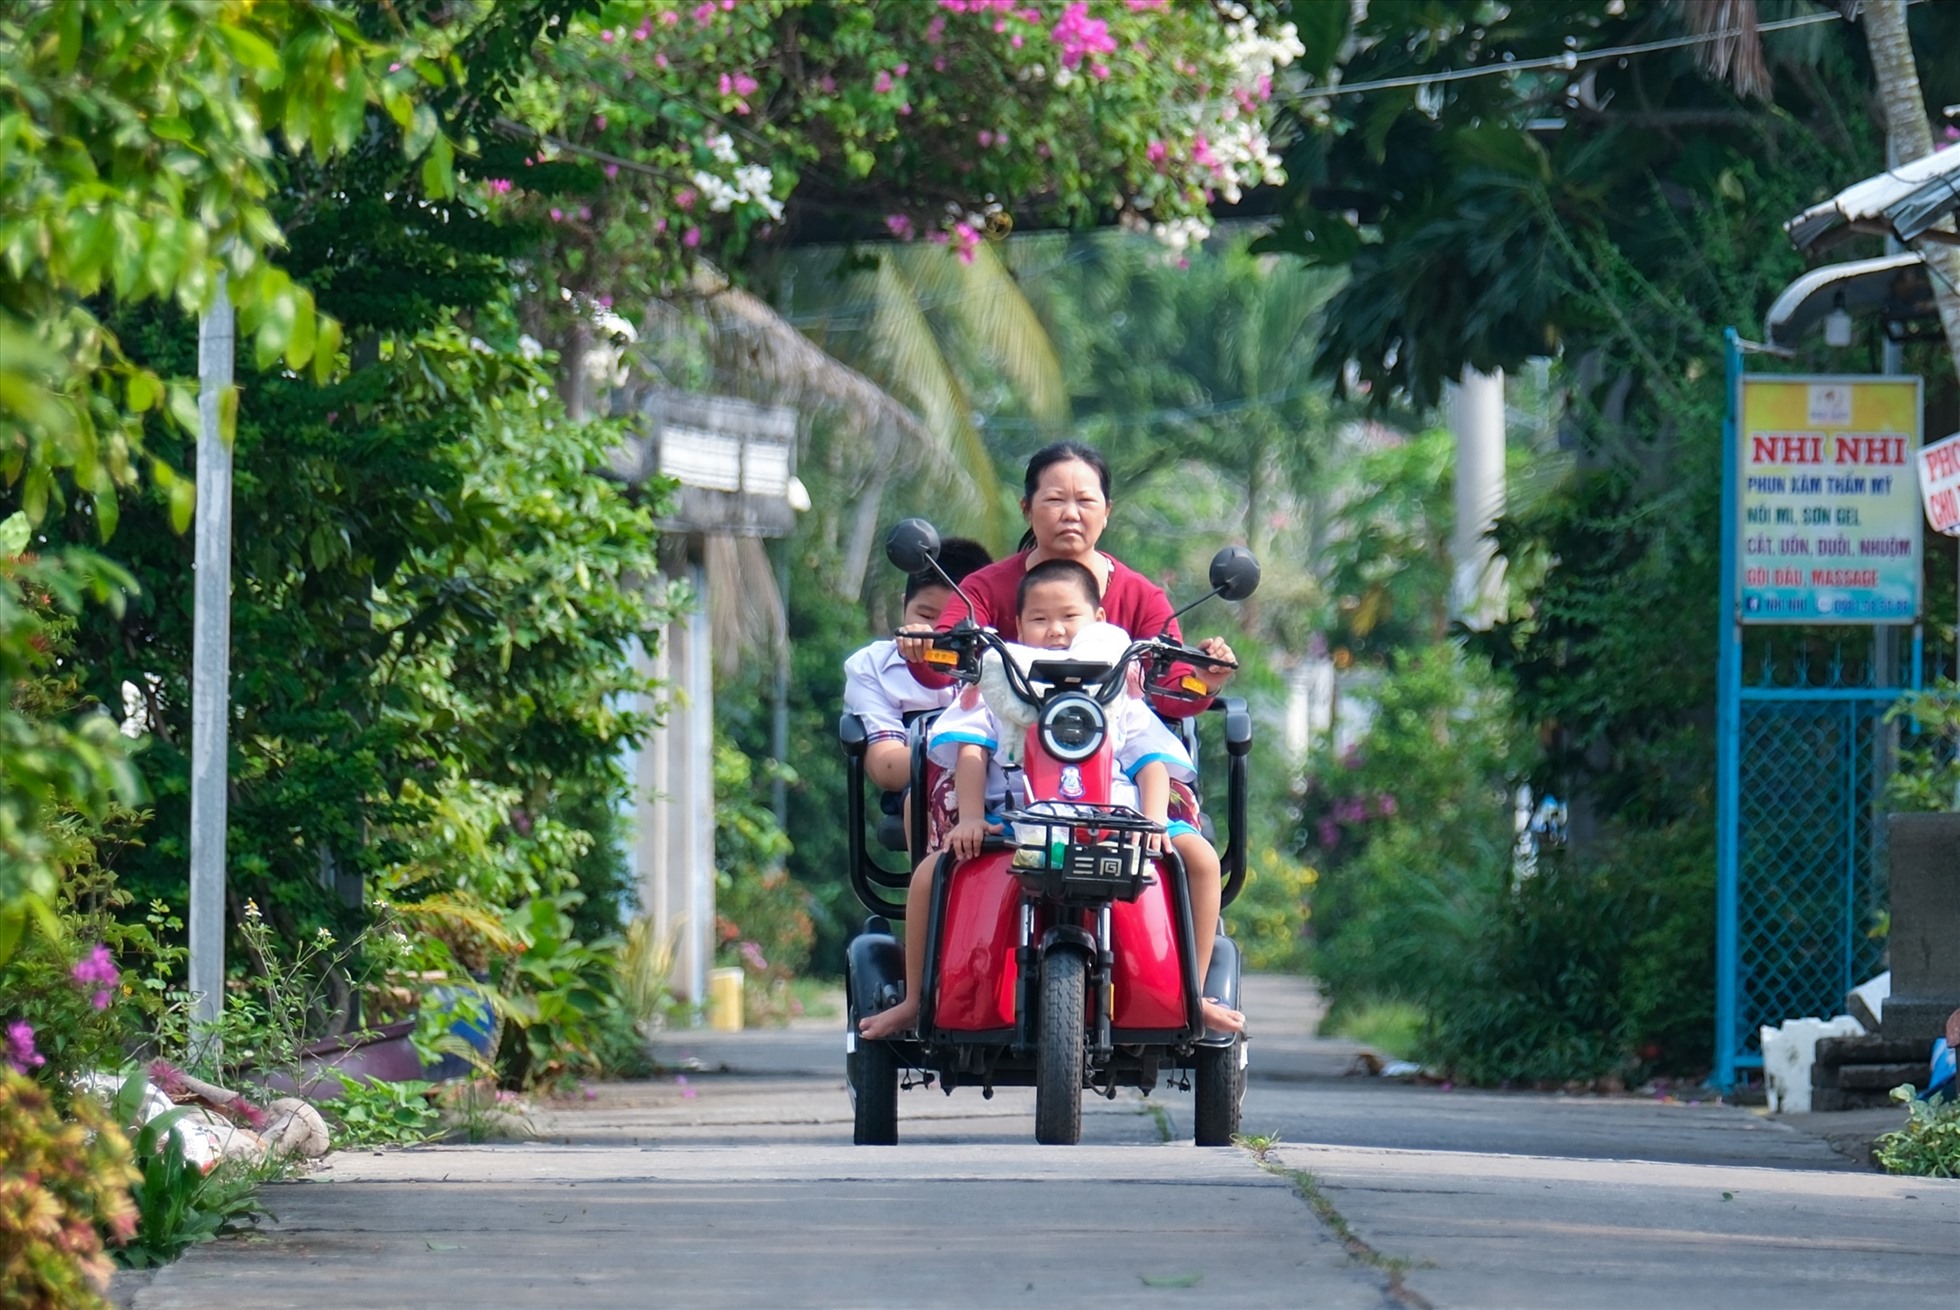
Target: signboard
<point x="1830" y="514"/>
<point x="1939" y="484"/>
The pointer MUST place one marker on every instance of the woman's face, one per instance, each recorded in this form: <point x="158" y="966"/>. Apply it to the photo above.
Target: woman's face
<point x="1068" y="512"/>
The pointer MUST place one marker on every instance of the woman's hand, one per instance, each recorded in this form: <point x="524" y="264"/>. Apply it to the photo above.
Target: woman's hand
<point x="1216" y="675"/>
<point x="967" y="835"/>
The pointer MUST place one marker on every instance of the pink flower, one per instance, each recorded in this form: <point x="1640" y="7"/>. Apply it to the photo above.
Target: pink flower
<point x="939" y="65"/>
<point x="1080" y="36"/>
<point x="660" y="61"/>
<point x="728" y="5"/>
<point x="97" y="969"/>
<point x="704" y="13"/>
<point x="1386" y="805"/>
<point x="606" y="37"/>
<point x="685" y="198"/>
<point x="953" y="6"/>
<point x="1139" y="6"/>
<point x="687" y="1092"/>
<point x="1201" y="153"/>
<point x="669" y="18"/>
<point x="753" y="957"/>
<point x="900" y="226"/>
<point x="745" y="85"/>
<point x="611" y="171"/>
<point x="883" y="84"/>
<point x="726" y="86"/>
<point x="936" y="29"/>
<point x="645" y="29"/>
<point x="499" y="186"/>
<point x="18" y="1050"/>
<point x="557" y="214"/>
<point x="585" y="213"/>
<point x="905" y="109"/>
<point x="691" y="238"/>
<point x="901" y="70"/>
<point x="1015" y="40"/>
<point x="966" y="242"/>
<point x="605" y="302"/>
<point x="598" y="122"/>
<point x="1157" y="152"/>
<point x="984" y="137"/>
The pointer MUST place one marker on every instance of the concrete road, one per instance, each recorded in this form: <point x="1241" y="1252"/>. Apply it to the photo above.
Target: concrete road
<point x="736" y="1186"/>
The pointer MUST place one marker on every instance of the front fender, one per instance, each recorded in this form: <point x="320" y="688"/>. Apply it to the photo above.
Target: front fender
<point x="1222" y="983"/>
<point x="874" y="972"/>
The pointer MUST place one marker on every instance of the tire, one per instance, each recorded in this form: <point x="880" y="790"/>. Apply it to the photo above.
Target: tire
<point x="1217" y="1089"/>
<point x="1060" y="1040"/>
<point x="871" y="1072"/>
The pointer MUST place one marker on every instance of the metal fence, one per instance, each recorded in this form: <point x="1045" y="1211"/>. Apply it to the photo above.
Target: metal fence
<point x="1803" y="906"/>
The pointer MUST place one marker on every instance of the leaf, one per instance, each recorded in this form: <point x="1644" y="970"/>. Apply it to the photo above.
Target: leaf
<point x="1170" y="1280"/>
<point x="249" y="49"/>
<point x="182" y="403"/>
<point x="443" y="1246"/>
<point x="326" y="349"/>
<point x="15" y="533"/>
<point x="1322" y="29"/>
<point x="423" y="128"/>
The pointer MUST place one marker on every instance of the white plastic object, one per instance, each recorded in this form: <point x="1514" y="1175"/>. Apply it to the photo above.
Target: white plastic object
<point x="1789" y="1051"/>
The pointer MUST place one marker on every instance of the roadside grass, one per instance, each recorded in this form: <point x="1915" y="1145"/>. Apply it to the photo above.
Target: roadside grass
<point x="1392" y="1027"/>
<point x="817" y="998"/>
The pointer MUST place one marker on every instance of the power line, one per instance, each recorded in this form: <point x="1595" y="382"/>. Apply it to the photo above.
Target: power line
<point x="1569" y="60"/>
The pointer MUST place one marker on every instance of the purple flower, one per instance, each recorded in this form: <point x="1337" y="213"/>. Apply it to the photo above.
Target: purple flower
<point x="900" y="226"/>
<point x="753" y="957"/>
<point x="18" y="1050"/>
<point x="1385" y="805"/>
<point x="499" y="186"/>
<point x="1329" y="833"/>
<point x="97" y="970"/>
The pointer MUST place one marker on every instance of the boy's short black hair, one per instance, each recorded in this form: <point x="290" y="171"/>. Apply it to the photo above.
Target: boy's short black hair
<point x="959" y="556"/>
<point x="1058" y="570"/>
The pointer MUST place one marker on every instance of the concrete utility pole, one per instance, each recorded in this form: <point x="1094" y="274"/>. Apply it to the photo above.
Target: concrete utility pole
<point x="1476" y="407"/>
<point x="211" y="665"/>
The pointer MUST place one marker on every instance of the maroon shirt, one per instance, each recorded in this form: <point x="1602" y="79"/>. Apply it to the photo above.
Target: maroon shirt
<point x="1131" y="601"/>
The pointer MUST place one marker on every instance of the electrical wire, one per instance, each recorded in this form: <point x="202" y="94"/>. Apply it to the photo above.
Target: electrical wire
<point x="1568" y="61"/>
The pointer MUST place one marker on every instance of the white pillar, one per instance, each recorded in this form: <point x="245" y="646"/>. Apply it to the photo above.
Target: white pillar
<point x="210" y="665"/>
<point x="700" y="864"/>
<point x="1476" y="409"/>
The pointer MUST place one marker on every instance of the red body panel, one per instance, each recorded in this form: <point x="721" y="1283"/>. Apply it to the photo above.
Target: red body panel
<point x="976" y="950"/>
<point x="1149" y="984"/>
<point x="1045" y="774"/>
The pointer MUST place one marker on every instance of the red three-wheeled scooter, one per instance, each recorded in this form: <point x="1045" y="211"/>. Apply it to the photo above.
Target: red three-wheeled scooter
<point x="1062" y="956"/>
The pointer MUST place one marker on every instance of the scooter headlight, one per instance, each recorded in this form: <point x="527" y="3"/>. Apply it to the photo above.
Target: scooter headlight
<point x="1073" y="727"/>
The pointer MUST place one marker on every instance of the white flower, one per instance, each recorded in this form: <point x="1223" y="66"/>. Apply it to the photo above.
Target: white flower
<point x="528" y="348"/>
<point x="722" y="147"/>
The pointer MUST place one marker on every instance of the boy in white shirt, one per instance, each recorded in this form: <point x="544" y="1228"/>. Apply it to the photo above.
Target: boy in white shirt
<point x="879" y="689"/>
<point x="1058" y="600"/>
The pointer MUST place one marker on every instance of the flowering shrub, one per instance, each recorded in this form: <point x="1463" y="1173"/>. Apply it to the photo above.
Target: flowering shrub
<point x="66" y="1184"/>
<point x="685" y="129"/>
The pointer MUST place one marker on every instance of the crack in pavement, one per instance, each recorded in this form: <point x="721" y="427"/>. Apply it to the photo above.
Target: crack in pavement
<point x="1395" y="1288"/>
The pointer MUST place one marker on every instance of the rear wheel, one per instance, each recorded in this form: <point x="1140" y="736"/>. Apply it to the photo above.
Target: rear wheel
<point x="1059" y="1050"/>
<point x="1218" y="1087"/>
<point x="873" y="1080"/>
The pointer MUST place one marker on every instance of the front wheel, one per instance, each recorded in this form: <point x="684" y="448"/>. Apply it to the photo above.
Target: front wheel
<point x="1058" y="1060"/>
<point x="1217" y="1091"/>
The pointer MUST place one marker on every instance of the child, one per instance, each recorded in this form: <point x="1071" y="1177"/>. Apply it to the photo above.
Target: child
<point x="1057" y="600"/>
<point x="880" y="690"/>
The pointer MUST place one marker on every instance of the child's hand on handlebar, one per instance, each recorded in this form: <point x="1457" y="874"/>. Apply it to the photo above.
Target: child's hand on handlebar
<point x="913" y="643"/>
<point x="965" y="839"/>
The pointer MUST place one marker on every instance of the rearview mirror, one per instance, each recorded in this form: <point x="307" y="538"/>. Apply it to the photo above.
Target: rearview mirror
<point x="1234" y="573"/>
<point x="913" y="544"/>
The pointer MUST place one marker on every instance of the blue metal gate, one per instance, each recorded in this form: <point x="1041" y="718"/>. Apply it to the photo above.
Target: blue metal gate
<point x="1804" y="757"/>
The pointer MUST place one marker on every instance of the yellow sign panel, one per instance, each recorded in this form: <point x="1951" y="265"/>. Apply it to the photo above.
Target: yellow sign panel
<point x="1829" y="513"/>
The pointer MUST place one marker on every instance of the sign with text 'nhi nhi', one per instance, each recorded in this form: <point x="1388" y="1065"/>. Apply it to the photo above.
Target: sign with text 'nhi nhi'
<point x="1939" y="484"/>
<point x="1829" y="515"/>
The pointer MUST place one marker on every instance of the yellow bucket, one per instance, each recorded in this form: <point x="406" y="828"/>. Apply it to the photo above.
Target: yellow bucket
<point x="725" y="1000"/>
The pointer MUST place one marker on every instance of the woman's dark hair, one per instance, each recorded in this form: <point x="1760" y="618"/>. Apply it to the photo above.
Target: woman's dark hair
<point x="1058" y="570"/>
<point x="1060" y="452"/>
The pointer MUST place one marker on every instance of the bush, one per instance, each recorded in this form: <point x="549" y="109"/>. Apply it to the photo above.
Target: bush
<point x="65" y="1185"/>
<point x="1269" y="919"/>
<point x="1929" y="1144"/>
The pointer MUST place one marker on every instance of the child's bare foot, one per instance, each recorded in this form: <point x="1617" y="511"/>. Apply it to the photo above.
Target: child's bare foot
<point x="1219" y="1017"/>
<point x="889" y="1023"/>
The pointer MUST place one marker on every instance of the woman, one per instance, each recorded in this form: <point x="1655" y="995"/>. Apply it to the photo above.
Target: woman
<point x="1065" y="500"/>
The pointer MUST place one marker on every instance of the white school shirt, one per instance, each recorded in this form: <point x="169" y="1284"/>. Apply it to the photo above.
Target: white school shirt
<point x="879" y="689"/>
